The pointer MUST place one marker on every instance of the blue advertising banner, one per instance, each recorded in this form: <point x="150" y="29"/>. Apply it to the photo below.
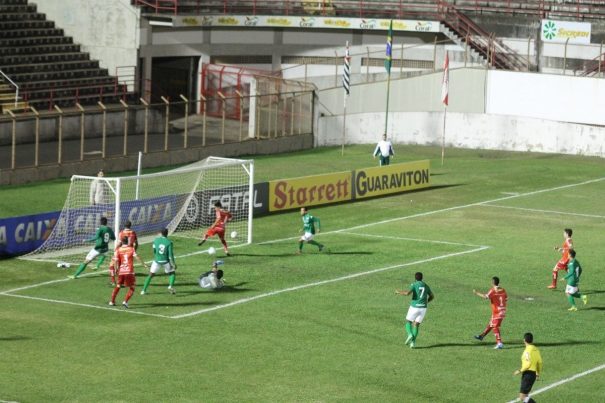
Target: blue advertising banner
<point x="20" y="235"/>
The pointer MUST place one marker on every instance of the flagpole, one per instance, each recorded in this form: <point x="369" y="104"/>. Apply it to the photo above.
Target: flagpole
<point x="386" y="119"/>
<point x="346" y="84"/>
<point x="344" y="126"/>
<point x="443" y="135"/>
<point x="388" y="64"/>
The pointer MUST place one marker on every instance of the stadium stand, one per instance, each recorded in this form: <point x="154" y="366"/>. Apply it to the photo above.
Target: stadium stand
<point x="49" y="68"/>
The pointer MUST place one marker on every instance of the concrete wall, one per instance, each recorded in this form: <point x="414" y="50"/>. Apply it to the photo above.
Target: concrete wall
<point x="467" y="130"/>
<point x="108" y="29"/>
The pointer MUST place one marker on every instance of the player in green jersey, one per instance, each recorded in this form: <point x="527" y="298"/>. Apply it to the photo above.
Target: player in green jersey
<point x="308" y="230"/>
<point x="421" y="296"/>
<point x="163" y="257"/>
<point x="574" y="271"/>
<point x="101" y="239"/>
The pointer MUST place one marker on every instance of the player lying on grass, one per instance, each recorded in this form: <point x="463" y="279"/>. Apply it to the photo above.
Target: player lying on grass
<point x="218" y="227"/>
<point x="562" y="263"/>
<point x="123" y="259"/>
<point x="572" y="290"/>
<point x="497" y="298"/>
<point x="103" y="235"/>
<point x="309" y="230"/>
<point x="213" y="279"/>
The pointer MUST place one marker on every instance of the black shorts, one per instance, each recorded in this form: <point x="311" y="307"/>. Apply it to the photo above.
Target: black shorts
<point x="527" y="381"/>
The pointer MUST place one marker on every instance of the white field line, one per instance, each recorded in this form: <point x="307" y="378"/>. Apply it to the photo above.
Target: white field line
<point x="323" y="282"/>
<point x="380" y="222"/>
<point x="60" y="280"/>
<point x="107" y="308"/>
<point x="534" y="210"/>
<point x="412" y="239"/>
<point x="444" y="210"/>
<point x="563" y="381"/>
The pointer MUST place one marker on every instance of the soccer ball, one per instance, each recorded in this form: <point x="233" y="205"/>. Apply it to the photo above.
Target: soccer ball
<point x="211" y="251"/>
<point x="234" y="234"/>
<point x="63" y="265"/>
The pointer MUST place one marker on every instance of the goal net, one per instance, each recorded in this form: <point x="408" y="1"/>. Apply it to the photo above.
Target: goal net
<point x="181" y="200"/>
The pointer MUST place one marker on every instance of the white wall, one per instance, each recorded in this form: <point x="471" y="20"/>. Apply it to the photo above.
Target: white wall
<point x="546" y="96"/>
<point x="107" y="29"/>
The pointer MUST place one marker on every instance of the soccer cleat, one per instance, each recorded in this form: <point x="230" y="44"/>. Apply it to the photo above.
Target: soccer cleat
<point x="111" y="303"/>
<point x="72" y="277"/>
<point x="551" y="287"/>
<point x="125" y="304"/>
<point x="409" y="339"/>
<point x="299" y="252"/>
<point x="499" y="346"/>
<point x="478" y="337"/>
<point x="171" y="290"/>
<point x="573" y="309"/>
<point x="227" y="254"/>
<point x="321" y="247"/>
<point x="585" y="299"/>
<point x="143" y="292"/>
<point x="413" y="344"/>
<point x="200" y="243"/>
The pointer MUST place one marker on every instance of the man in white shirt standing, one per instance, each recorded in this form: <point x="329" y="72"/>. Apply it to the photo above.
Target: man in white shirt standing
<point x="97" y="189"/>
<point x="384" y="149"/>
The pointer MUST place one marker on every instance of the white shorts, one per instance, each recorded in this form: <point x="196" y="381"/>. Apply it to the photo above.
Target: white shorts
<point x="307" y="236"/>
<point x="211" y="282"/>
<point x="570" y="289"/>
<point x="155" y="266"/>
<point x="93" y="254"/>
<point x="415" y="314"/>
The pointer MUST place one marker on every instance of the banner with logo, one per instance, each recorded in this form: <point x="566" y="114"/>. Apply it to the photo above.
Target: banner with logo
<point x="305" y="22"/>
<point x="287" y="194"/>
<point x="561" y="31"/>
<point x="396" y="178"/>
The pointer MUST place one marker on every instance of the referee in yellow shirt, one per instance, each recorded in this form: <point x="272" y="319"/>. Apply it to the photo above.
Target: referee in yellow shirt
<point x="531" y="368"/>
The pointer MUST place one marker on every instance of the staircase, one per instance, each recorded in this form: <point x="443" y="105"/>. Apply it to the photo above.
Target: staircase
<point x="46" y="65"/>
<point x="462" y="30"/>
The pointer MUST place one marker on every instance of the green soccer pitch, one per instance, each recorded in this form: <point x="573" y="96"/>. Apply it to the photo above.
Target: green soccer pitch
<point x="327" y="327"/>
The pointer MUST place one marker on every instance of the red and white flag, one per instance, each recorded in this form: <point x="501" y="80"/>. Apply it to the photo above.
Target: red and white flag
<point x="446" y="81"/>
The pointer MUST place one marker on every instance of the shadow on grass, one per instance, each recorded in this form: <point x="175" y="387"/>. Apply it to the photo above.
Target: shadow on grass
<point x="139" y="305"/>
<point x="511" y="346"/>
<point x="14" y="338"/>
<point x="589" y="292"/>
<point x="594" y="308"/>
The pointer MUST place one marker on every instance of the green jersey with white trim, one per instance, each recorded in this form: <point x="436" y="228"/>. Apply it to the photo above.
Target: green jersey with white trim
<point x="163" y="250"/>
<point x="102" y="237"/>
<point x="574" y="271"/>
<point x="420" y="294"/>
<point x="309" y="223"/>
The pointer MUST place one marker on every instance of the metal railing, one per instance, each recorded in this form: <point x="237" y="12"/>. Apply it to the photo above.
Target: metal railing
<point x="577" y="9"/>
<point x="7" y="78"/>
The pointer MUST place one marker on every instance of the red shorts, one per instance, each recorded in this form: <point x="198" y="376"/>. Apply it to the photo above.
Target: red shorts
<point x="127" y="280"/>
<point x="216" y="231"/>
<point x="495" y="322"/>
<point x="562" y="265"/>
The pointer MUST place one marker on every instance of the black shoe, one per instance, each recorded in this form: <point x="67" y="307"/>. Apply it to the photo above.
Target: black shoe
<point x="200" y="243"/>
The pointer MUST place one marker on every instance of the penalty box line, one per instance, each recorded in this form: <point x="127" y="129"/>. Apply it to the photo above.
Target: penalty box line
<point x="563" y="381"/>
<point x="324" y="282"/>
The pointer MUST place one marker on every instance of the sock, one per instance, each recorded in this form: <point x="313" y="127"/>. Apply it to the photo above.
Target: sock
<point x="171" y="279"/>
<point x="80" y="269"/>
<point x="312" y="242"/>
<point x="486" y="331"/>
<point x="101" y="260"/>
<point x="147" y="282"/>
<point x="497" y="334"/>
<point x="415" y="331"/>
<point x="300" y="245"/>
<point x="577" y="295"/>
<point x="408" y="328"/>
<point x="115" y="292"/>
<point x="225" y="248"/>
<point x="571" y="300"/>
<point x="555" y="276"/>
<point x="129" y="294"/>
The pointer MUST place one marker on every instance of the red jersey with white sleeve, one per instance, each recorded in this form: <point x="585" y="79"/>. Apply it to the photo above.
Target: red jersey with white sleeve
<point x="124" y="258"/>
<point x="497" y="297"/>
<point x="130" y="234"/>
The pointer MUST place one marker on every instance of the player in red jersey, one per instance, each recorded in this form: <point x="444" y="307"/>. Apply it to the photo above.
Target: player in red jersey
<point x="562" y="263"/>
<point x="123" y="257"/>
<point x="133" y="241"/>
<point x="497" y="297"/>
<point x="218" y="228"/>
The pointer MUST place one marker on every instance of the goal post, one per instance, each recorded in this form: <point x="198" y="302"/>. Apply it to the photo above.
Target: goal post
<point x="180" y="199"/>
